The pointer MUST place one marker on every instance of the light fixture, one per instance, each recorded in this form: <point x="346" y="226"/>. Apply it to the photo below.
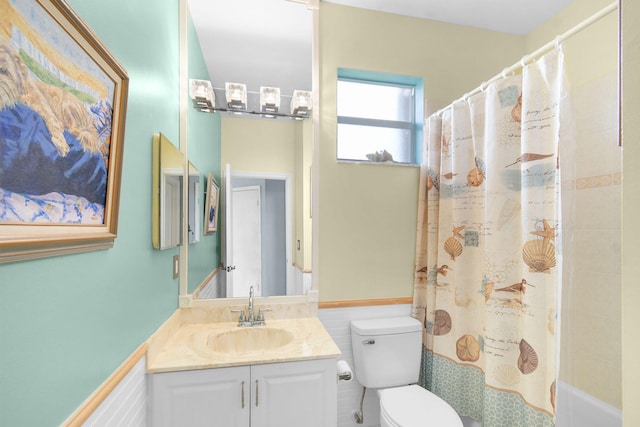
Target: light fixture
<point x="202" y="95"/>
<point x="236" y="94"/>
<point x="269" y="99"/>
<point x="301" y="103"/>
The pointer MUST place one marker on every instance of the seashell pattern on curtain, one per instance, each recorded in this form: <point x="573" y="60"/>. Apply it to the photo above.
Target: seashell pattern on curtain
<point x="488" y="246"/>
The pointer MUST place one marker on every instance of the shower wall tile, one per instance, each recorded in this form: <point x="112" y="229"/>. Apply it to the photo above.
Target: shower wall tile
<point x="592" y="373"/>
<point x="593" y="104"/>
<point x="593" y="289"/>
<point x="597" y="153"/>
<point x="593" y="252"/>
<point x="616" y="205"/>
<point x="592" y="201"/>
<point x="593" y="208"/>
<point x="590" y="324"/>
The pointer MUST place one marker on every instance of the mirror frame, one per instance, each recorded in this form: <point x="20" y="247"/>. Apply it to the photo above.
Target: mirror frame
<point x="185" y="299"/>
<point x="163" y="214"/>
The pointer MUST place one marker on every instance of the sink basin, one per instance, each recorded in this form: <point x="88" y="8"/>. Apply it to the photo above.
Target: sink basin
<point x="249" y="339"/>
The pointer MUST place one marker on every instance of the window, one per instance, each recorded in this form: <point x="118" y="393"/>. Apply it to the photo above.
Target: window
<point x="377" y="117"/>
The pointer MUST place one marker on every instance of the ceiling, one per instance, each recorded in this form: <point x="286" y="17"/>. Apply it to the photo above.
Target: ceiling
<point x="268" y="42"/>
<point x="506" y="16"/>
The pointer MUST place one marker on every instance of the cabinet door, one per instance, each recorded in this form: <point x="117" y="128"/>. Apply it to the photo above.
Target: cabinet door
<point x="201" y="398"/>
<point x="294" y="394"/>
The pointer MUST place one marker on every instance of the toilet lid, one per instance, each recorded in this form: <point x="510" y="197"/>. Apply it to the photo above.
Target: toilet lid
<point x="413" y="405"/>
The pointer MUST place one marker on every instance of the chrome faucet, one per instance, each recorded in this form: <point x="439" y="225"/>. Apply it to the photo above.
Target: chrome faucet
<point x="251" y="314"/>
<point x="249" y="318"/>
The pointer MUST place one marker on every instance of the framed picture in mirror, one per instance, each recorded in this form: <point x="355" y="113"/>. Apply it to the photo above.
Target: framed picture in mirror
<point x="213" y="202"/>
<point x="63" y="98"/>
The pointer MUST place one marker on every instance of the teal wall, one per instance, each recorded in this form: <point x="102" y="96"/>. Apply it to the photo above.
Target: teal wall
<point x="66" y="323"/>
<point x="204" y="153"/>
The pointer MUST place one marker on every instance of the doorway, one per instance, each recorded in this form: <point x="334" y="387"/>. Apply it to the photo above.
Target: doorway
<point x="247" y="239"/>
<point x="270" y="263"/>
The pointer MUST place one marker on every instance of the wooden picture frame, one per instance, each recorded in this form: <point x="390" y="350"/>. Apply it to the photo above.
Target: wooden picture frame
<point x="212" y="206"/>
<point x="65" y="110"/>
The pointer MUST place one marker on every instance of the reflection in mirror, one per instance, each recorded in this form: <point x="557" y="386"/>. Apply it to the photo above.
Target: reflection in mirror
<point x="194" y="198"/>
<point x="255" y="147"/>
<point x="166" y="216"/>
<point x="258" y="234"/>
<point x="204" y="249"/>
<point x="274" y="157"/>
<point x="254" y="44"/>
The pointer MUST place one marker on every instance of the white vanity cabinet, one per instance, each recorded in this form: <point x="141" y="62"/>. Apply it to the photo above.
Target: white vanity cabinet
<point x="289" y="394"/>
<point x="210" y="397"/>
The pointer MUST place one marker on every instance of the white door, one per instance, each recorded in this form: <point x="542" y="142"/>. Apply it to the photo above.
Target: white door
<point x="247" y="241"/>
<point x="227" y="238"/>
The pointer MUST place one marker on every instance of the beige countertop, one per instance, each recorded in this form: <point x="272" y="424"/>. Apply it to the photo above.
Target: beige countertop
<point x="187" y="347"/>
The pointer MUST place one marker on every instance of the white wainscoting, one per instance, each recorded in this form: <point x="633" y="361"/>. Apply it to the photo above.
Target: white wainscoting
<point x="302" y="281"/>
<point x="126" y="405"/>
<point x="337" y="322"/>
<point x="213" y="288"/>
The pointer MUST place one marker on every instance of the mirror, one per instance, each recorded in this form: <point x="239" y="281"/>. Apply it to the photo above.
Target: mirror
<point x="271" y="151"/>
<point x="166" y="212"/>
<point x="194" y="205"/>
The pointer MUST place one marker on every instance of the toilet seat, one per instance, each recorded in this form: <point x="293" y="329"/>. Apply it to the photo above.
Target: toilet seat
<point x="414" y="406"/>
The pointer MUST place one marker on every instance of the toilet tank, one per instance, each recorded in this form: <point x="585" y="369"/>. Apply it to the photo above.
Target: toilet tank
<point x="386" y="352"/>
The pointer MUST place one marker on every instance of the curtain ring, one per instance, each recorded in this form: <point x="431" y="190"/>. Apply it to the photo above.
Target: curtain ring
<point x="504" y="73"/>
<point x="523" y="61"/>
<point x="483" y="86"/>
<point x="557" y="41"/>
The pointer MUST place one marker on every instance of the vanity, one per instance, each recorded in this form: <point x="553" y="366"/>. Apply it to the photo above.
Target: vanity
<point x="207" y="372"/>
<point x="203" y="369"/>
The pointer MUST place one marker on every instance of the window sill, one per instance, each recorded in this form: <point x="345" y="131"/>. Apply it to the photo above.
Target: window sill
<point x="366" y="162"/>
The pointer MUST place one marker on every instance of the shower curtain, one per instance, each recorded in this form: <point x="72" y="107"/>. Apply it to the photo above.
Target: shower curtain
<point x="488" y="248"/>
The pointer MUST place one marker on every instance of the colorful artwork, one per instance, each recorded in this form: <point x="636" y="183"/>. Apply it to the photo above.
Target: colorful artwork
<point x="62" y="100"/>
<point x="213" y="202"/>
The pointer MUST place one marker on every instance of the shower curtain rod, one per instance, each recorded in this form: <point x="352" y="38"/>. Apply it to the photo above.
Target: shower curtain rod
<point x="531" y="57"/>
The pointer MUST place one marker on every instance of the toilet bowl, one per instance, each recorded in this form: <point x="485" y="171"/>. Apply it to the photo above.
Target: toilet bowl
<point x="387" y="356"/>
<point x="414" y="406"/>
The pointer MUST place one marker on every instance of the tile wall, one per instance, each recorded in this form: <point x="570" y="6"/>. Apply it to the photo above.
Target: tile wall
<point x="591" y="299"/>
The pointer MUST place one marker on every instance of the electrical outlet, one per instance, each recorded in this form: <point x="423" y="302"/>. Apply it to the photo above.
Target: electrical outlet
<point x="176" y="266"/>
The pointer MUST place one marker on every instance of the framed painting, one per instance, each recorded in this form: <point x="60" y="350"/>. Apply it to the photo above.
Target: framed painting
<point x="63" y="101"/>
<point x="213" y="202"/>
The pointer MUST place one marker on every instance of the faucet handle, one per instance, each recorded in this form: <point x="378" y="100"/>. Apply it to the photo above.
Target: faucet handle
<point x="243" y="316"/>
<point x="261" y="313"/>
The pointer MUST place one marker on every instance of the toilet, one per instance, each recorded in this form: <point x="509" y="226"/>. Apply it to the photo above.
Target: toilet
<point x="386" y="355"/>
